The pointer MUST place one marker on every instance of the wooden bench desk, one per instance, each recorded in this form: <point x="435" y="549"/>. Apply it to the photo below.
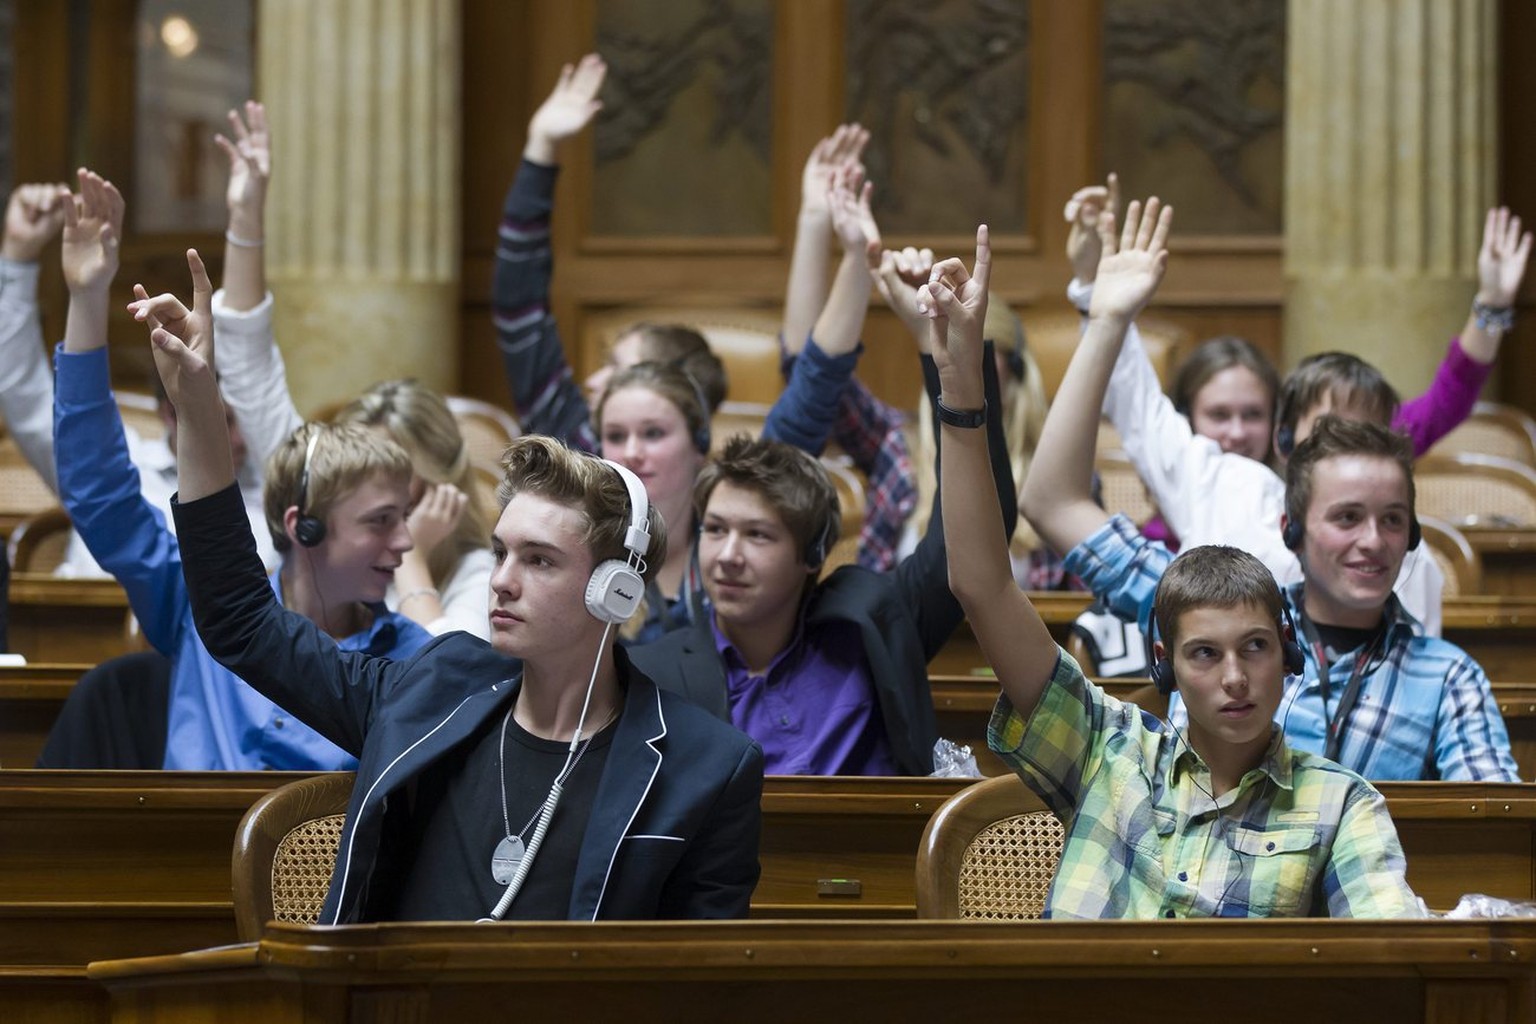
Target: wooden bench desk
<point x="1267" y="972"/>
<point x="846" y="847"/>
<point x="30" y="698"/>
<point x="1508" y="556"/>
<point x="103" y="865"/>
<point x="56" y="620"/>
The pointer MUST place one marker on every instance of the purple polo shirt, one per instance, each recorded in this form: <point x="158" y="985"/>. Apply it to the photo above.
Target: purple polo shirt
<point x="814" y="711"/>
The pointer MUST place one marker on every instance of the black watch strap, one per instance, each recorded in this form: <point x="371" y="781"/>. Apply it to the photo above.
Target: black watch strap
<point x="968" y="418"/>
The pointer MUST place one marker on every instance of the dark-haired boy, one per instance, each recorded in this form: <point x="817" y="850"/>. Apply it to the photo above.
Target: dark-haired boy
<point x="1223" y="821"/>
<point x="830" y="677"/>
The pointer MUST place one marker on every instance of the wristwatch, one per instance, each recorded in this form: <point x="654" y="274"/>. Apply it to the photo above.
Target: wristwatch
<point x="968" y="418"/>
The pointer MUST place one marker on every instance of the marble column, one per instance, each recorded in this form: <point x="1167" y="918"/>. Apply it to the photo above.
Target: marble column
<point x="1391" y="157"/>
<point x="363" y="216"/>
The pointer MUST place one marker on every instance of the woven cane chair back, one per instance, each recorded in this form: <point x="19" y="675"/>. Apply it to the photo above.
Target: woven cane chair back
<point x="285" y="850"/>
<point x="989" y="854"/>
<point x="487" y="430"/>
<point x="1492" y="429"/>
<point x="1121" y="489"/>
<point x="1476" y="491"/>
<point x="1459" y="562"/>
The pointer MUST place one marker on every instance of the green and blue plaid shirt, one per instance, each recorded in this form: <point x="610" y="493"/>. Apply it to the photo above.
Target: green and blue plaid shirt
<point x="1299" y="836"/>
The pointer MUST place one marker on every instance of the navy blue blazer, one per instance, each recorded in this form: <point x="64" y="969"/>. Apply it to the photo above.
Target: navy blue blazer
<point x="675" y="824"/>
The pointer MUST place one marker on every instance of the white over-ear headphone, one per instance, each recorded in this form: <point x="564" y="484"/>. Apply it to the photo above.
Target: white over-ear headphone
<point x="616" y="588"/>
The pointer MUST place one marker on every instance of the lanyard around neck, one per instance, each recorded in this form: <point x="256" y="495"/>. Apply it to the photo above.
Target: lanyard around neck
<point x="1333" y="734"/>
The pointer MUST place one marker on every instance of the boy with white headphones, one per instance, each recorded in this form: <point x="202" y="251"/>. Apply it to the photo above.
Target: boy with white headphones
<point x="474" y="757"/>
<point x="1222" y="820"/>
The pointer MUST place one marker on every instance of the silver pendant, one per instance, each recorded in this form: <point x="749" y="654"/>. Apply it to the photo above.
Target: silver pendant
<point x="504" y="862"/>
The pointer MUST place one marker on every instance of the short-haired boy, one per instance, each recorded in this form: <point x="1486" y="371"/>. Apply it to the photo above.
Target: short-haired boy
<point x="830" y="677"/>
<point x="535" y="777"/>
<point x="358" y="487"/>
<point x="1223" y="821"/>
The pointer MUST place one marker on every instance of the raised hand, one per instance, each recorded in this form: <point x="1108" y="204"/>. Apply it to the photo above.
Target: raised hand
<point x="955" y="301"/>
<point x="897" y="277"/>
<point x="182" y="337"/>
<point x="34" y="215"/>
<point x="1132" y="265"/>
<point x="844" y="147"/>
<point x="250" y="164"/>
<point x="852" y="220"/>
<point x="93" y="227"/>
<point x="568" y="109"/>
<point x="1082" y="212"/>
<point x="436" y="516"/>
<point x="1501" y="260"/>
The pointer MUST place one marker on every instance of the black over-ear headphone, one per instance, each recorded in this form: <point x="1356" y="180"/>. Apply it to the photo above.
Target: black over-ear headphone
<point x="1295" y="532"/>
<point x="1285" y="440"/>
<point x="309" y="530"/>
<point x="701" y="438"/>
<point x="1160" y="670"/>
<point x="1018" y="369"/>
<point x="616" y="587"/>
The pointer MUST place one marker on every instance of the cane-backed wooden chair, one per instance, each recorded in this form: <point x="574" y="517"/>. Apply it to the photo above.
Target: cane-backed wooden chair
<point x="989" y="853"/>
<point x="285" y="850"/>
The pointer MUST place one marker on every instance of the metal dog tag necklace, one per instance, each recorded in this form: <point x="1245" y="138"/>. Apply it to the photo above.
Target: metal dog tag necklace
<point x="509" y="853"/>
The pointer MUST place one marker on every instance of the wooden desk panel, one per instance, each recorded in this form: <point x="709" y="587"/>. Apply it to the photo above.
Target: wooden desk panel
<point x="1274" y="972"/>
<point x="1509" y="559"/>
<point x="125" y="863"/>
<point x="30" y="698"/>
<point x="1458" y="837"/>
<point x="68" y="621"/>
<point x="114" y="864"/>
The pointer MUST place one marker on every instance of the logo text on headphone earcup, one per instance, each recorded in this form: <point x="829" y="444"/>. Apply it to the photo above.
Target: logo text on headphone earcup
<point x="614" y="591"/>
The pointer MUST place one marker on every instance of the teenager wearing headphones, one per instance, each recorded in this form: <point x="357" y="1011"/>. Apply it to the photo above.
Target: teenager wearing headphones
<point x="1219" y="820"/>
<point x="441" y="583"/>
<point x="831" y="676"/>
<point x="1373" y="694"/>
<point x="653" y="418"/>
<point x="537" y="776"/>
<point x="1209" y="495"/>
<point x="335" y="504"/>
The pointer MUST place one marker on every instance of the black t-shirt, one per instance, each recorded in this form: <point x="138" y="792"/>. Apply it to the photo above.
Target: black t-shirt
<point x="1340" y="640"/>
<point x="457" y="820"/>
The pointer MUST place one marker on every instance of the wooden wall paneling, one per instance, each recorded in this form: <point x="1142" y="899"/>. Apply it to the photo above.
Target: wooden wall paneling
<point x="1216" y="284"/>
<point x="499" y="52"/>
<point x="1515" y="380"/>
<point x="41" y="124"/>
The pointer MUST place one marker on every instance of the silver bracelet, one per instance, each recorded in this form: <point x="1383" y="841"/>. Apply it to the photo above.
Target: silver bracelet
<point x="418" y="592"/>
<point x="1493" y="319"/>
<point x="243" y="243"/>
